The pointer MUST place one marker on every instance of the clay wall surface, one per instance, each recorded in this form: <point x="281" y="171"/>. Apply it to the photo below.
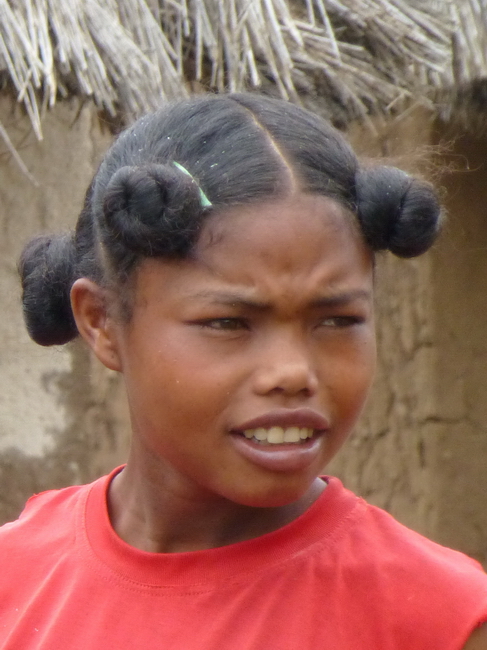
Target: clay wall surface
<point x="459" y="464"/>
<point x="62" y="418"/>
<point x="420" y="450"/>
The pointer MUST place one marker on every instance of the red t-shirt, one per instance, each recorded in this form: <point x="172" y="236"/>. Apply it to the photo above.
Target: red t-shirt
<point x="343" y="576"/>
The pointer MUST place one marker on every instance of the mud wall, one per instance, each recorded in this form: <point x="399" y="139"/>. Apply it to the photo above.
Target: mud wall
<point x="420" y="450"/>
<point x="459" y="462"/>
<point x="61" y="416"/>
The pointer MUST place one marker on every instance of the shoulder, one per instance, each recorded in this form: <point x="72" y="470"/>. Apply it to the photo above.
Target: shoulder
<point x="48" y="520"/>
<point x="398" y="544"/>
<point x="428" y="591"/>
<point x="374" y="542"/>
<point x="384" y="540"/>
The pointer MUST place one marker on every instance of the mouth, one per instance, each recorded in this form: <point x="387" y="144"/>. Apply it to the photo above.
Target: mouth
<point x="284" y="427"/>
<point x="280" y="448"/>
<point x="277" y="435"/>
<point x="283" y="440"/>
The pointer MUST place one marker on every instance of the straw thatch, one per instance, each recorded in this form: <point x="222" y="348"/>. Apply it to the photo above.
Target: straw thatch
<point x="361" y="56"/>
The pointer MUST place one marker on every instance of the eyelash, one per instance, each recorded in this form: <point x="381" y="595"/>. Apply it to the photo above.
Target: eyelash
<point x="218" y="324"/>
<point x="235" y="324"/>
<point x="343" y="321"/>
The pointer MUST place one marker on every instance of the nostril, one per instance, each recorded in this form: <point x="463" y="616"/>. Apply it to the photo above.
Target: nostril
<point x="287" y="379"/>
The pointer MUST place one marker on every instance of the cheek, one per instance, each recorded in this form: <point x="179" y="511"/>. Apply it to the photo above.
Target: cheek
<point x="176" y="378"/>
<point x="367" y="358"/>
<point x="354" y="372"/>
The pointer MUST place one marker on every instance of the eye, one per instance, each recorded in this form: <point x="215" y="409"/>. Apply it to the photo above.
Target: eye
<point x="224" y="324"/>
<point x="342" y="321"/>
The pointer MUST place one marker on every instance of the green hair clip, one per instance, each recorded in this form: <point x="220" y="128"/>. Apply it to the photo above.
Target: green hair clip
<point x="205" y="201"/>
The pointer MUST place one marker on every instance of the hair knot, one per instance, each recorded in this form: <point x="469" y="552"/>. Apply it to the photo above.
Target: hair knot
<point x="151" y="210"/>
<point x="397" y="212"/>
<point x="47" y="268"/>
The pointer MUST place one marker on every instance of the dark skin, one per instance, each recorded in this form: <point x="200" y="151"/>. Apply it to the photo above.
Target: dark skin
<point x="478" y="639"/>
<point x="273" y="312"/>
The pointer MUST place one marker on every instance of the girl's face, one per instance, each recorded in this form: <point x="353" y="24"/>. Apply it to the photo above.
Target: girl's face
<point x="247" y="366"/>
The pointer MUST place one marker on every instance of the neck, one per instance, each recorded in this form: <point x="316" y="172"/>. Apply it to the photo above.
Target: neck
<point x="150" y="510"/>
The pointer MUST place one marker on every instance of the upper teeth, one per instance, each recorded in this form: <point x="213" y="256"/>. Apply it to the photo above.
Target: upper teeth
<point x="278" y="435"/>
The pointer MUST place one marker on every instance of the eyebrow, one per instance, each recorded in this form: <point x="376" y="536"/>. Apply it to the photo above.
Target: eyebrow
<point x="344" y="298"/>
<point x="230" y="299"/>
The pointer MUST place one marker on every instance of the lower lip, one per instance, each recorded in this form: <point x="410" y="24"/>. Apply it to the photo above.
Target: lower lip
<point x="279" y="458"/>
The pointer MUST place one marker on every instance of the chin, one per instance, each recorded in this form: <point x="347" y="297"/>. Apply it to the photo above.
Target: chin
<point x="275" y="496"/>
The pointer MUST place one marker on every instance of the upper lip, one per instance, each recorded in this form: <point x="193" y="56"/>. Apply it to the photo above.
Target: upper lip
<point x="302" y="418"/>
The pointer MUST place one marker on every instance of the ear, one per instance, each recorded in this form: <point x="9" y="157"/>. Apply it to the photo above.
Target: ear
<point x="94" y="323"/>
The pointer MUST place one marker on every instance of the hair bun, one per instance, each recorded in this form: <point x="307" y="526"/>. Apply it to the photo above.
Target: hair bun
<point x="397" y="212"/>
<point x="46" y="270"/>
<point x="151" y="209"/>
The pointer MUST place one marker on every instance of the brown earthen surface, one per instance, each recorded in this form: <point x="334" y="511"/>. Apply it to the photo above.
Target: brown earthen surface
<point x="62" y="417"/>
<point x="460" y="324"/>
<point x="420" y="450"/>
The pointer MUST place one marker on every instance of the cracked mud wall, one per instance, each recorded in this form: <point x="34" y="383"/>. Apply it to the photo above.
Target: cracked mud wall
<point x="420" y="450"/>
<point x="460" y="312"/>
<point x="62" y="417"/>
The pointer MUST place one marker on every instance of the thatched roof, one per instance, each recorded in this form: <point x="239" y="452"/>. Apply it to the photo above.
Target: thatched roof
<point x="357" y="56"/>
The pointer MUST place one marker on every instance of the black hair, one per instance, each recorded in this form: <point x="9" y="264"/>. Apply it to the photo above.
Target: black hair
<point x="238" y="149"/>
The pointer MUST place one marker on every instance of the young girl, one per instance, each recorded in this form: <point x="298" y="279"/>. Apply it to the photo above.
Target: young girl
<point x="223" y="263"/>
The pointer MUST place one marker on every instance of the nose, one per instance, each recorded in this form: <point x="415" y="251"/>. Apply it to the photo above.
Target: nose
<point x="286" y="368"/>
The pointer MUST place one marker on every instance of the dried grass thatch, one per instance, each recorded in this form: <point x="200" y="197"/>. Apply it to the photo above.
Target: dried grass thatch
<point x="127" y="55"/>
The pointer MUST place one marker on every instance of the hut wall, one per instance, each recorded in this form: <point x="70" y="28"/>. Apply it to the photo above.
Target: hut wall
<point x="420" y="450"/>
<point x="61" y="415"/>
<point x="459" y="461"/>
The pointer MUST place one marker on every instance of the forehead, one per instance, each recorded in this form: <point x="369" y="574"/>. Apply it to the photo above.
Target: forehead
<point x="297" y="237"/>
<point x="286" y="253"/>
